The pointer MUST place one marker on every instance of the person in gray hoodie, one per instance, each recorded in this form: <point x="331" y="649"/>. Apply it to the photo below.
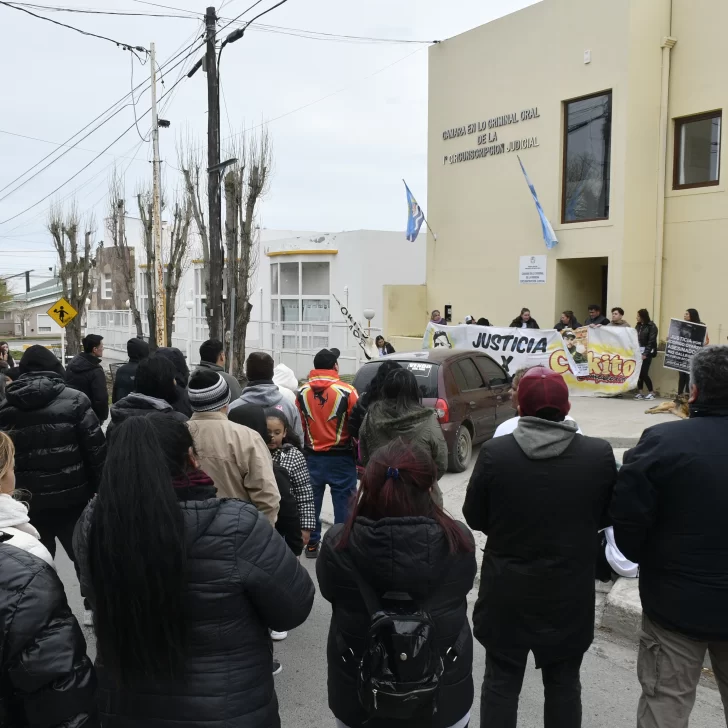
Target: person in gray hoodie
<point x="263" y="391"/>
<point x="399" y="413"/>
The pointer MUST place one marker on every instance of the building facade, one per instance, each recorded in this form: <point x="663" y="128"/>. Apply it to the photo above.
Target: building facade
<point x="615" y="110"/>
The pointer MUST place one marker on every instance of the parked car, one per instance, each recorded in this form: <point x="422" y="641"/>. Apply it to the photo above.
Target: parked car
<point x="470" y="392"/>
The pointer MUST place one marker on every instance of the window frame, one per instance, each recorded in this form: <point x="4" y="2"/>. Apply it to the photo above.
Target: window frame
<point x="565" y="140"/>
<point x="678" y="124"/>
<point x="107" y="295"/>
<point x="459" y="365"/>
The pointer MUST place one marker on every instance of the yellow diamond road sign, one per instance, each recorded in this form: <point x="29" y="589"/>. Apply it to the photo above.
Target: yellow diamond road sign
<point x="62" y="312"/>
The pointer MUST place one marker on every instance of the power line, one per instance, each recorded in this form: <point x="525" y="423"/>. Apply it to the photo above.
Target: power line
<point x="133" y="100"/>
<point x="88" y="11"/>
<point x="258" y="2"/>
<point x="119" y="44"/>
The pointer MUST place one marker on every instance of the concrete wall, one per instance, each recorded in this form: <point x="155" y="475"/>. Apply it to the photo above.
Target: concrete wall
<point x="405" y="310"/>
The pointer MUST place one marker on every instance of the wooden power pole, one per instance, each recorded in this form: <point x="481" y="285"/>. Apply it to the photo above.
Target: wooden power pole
<point x="214" y="199"/>
<point x="160" y="317"/>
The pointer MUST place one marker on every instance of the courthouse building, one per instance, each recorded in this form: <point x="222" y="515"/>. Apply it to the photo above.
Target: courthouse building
<point x="615" y="109"/>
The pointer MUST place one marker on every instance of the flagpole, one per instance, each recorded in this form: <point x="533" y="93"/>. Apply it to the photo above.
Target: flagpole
<point x="423" y="215"/>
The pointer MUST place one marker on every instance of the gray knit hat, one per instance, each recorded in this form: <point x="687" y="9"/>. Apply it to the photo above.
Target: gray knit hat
<point x="209" y="392"/>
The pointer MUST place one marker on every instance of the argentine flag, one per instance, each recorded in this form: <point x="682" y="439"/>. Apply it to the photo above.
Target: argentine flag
<point x="415" y="216"/>
<point x="549" y="236"/>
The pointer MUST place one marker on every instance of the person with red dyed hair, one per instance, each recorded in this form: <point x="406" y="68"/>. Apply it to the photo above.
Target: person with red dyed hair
<point x="397" y="539"/>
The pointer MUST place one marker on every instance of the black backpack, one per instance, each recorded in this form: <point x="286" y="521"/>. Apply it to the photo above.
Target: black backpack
<point x="400" y="670"/>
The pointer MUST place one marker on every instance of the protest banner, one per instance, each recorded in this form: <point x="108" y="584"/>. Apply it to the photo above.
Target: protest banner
<point x="363" y="339"/>
<point x="599" y="361"/>
<point x="684" y="339"/>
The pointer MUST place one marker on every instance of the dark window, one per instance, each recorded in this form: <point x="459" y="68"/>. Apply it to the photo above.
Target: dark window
<point x="467" y="375"/>
<point x="697" y="151"/>
<point x="425" y="374"/>
<point x="587" y="152"/>
<point x="491" y="371"/>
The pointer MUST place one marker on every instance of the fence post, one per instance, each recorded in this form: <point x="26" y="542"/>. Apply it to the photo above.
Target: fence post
<point x="190" y="328"/>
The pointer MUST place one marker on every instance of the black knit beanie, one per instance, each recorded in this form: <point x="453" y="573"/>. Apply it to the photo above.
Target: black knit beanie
<point x="37" y="358"/>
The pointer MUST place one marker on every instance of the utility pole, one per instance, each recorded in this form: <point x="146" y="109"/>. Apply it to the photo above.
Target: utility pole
<point x="214" y="300"/>
<point x="27" y="281"/>
<point x="157" y="212"/>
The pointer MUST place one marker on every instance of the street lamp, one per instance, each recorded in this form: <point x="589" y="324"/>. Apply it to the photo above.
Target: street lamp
<point x="369" y="315"/>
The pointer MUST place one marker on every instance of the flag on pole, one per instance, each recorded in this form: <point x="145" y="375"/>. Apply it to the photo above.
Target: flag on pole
<point x="549" y="236"/>
<point x="415" y="216"/>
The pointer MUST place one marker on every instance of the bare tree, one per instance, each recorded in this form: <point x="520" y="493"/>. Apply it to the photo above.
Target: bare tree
<point x="116" y="225"/>
<point x="75" y="264"/>
<point x="245" y="185"/>
<point x="176" y="258"/>
<point x="145" y="205"/>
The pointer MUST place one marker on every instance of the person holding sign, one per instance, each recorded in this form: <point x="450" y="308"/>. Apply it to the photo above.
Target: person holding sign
<point x="683" y="382"/>
<point x="647" y="337"/>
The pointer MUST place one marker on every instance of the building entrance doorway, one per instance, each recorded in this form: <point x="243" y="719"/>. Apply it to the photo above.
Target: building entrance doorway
<point x="581" y="282"/>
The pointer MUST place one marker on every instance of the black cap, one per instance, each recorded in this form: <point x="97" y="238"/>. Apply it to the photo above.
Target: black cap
<point x="326" y="359"/>
<point x="39" y="359"/>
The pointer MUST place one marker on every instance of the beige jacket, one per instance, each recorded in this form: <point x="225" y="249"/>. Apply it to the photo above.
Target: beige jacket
<point x="237" y="460"/>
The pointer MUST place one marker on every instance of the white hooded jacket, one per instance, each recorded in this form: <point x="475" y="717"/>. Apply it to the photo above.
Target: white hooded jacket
<point x="14" y="522"/>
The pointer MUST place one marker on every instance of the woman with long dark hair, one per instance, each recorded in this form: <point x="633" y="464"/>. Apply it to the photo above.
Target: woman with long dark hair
<point x="647" y="337"/>
<point x="184" y="588"/>
<point x="398" y="539"/>
<point x="683" y="382"/>
<point x="524" y="320"/>
<point x="399" y="413"/>
<point x="370" y="395"/>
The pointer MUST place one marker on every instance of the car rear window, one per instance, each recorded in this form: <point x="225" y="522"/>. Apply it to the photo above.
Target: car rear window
<point x="425" y="374"/>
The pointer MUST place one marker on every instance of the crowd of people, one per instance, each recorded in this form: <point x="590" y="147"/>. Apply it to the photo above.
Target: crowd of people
<point x="186" y="517"/>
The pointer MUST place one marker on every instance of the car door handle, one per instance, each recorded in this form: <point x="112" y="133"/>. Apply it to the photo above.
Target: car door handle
<point x="472" y="404"/>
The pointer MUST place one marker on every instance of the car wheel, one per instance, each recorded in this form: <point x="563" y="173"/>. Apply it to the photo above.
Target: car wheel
<point x="462" y="452"/>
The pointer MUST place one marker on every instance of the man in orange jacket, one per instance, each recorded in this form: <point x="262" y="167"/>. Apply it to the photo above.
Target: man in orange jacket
<point x="325" y="404"/>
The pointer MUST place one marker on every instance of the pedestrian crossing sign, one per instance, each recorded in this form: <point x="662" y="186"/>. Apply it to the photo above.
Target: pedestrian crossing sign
<point x="62" y="312"/>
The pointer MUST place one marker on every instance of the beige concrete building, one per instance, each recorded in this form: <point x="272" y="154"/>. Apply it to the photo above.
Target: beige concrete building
<point x="615" y="108"/>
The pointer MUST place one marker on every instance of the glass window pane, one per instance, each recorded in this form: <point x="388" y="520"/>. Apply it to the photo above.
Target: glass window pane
<point x="290" y="308"/>
<point x="315" y="279"/>
<point x="473" y="380"/>
<point x="699" y="156"/>
<point x="587" y="153"/>
<point x="491" y="372"/>
<point x="274" y="310"/>
<point x="274" y="279"/>
<point x="315" y="309"/>
<point x="289" y="279"/>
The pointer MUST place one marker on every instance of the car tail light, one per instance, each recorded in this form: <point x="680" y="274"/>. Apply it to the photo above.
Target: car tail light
<point x="443" y="411"/>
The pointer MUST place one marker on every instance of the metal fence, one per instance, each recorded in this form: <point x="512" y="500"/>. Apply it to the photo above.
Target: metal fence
<point x="293" y="344"/>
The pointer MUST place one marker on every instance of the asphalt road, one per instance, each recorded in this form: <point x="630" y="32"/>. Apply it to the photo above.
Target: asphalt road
<point x="610" y="687"/>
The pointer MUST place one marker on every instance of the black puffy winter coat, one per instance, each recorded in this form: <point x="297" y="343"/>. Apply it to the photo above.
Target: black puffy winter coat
<point x="242" y="580"/>
<point x="46" y="679"/>
<point x="137" y="349"/>
<point x="406" y="555"/>
<point x="181" y="378"/>
<point x="86" y="374"/>
<point x="59" y="445"/>
<point x="670" y="514"/>
<point x="288" y="523"/>
<point x="139" y="405"/>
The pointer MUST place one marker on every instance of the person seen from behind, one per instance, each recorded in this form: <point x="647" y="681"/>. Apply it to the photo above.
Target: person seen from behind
<point x="85" y="374"/>
<point x="524" y="321"/>
<point x="60" y="447"/>
<point x="285" y="379"/>
<point x="261" y="390"/>
<point x="647" y="337"/>
<point x="137" y="350"/>
<point x="595" y="319"/>
<point x="47" y="678"/>
<point x="483" y="322"/>
<point x="286" y="452"/>
<point x="206" y="576"/>
<point x="325" y="404"/>
<point x="399" y="550"/>
<point x="372" y="393"/>
<point x="567" y="321"/>
<point x="670" y="514"/>
<point x="212" y="356"/>
<point x="537" y="580"/>
<point x="383" y="346"/>
<point x="155" y="391"/>
<point x="399" y="413"/>
<point x="235" y="457"/>
<point x="683" y="382"/>
<point x="181" y="402"/>
<point x="618" y="317"/>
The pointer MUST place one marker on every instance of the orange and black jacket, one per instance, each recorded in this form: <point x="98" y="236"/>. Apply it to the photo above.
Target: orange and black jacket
<point x="325" y="404"/>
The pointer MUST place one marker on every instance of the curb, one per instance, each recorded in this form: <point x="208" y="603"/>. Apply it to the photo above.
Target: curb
<point x="623" y="610"/>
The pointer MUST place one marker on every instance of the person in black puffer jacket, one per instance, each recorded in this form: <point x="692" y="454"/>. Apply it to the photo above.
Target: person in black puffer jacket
<point x="181" y="377"/>
<point x="399" y="539"/>
<point x="209" y="577"/>
<point x="155" y="391"/>
<point x="85" y="373"/>
<point x="59" y="446"/>
<point x="137" y="349"/>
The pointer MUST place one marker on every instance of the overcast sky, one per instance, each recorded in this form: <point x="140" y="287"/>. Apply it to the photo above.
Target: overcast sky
<point x="338" y="162"/>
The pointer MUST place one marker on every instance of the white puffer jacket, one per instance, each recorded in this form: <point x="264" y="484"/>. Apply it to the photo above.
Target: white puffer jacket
<point x="14" y="521"/>
<point x="285" y="379"/>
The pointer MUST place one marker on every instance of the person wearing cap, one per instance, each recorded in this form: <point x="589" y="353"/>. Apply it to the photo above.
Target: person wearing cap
<point x="137" y="349"/>
<point x="235" y="457"/>
<point x="60" y="447"/>
<point x="325" y="404"/>
<point x="85" y="373"/>
<point x="541" y="495"/>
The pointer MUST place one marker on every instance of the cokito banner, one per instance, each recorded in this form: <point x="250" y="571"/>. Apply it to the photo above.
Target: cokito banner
<point x="600" y="361"/>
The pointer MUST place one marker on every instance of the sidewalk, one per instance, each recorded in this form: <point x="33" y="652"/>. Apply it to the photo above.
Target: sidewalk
<point x="620" y="422"/>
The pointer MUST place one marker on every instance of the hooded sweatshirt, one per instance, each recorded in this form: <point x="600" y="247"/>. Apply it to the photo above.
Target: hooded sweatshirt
<point x="14" y="521"/>
<point x="285" y="379"/>
<point x="418" y="426"/>
<point x="140" y="405"/>
<point x="325" y="404"/>
<point x="265" y="393"/>
<point x="137" y="349"/>
<point x="541" y="439"/>
<point x="86" y="375"/>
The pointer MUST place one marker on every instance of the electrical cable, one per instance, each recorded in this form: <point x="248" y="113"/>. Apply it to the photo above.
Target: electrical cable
<point x="133" y="101"/>
<point x="88" y="11"/>
<point x="235" y="19"/>
<point x="119" y="44"/>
